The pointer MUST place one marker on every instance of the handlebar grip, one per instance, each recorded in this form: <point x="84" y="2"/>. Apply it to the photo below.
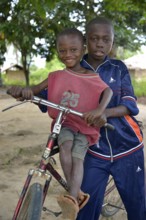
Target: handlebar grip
<point x="109" y="126"/>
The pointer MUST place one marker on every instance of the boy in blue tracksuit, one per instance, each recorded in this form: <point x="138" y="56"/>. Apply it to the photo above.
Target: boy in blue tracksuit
<point x="120" y="152"/>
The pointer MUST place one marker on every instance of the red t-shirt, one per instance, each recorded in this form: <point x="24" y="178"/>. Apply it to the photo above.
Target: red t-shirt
<point x="80" y="92"/>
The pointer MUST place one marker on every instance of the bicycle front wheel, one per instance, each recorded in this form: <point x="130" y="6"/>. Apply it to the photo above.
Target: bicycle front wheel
<point x="32" y="206"/>
<point x="112" y="200"/>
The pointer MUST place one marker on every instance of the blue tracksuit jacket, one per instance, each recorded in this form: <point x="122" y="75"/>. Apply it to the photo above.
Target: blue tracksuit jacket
<point x="119" y="153"/>
<point x="117" y="143"/>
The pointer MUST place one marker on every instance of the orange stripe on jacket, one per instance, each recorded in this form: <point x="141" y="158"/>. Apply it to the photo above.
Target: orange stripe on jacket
<point x="135" y="127"/>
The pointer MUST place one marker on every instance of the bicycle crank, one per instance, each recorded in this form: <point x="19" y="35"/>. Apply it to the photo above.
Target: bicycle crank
<point x="56" y="214"/>
<point x="115" y="206"/>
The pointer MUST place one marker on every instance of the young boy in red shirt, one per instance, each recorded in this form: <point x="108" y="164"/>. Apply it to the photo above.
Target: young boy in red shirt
<point x="82" y="90"/>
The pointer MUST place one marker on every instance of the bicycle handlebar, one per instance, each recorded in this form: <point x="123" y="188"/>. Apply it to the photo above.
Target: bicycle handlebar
<point x="41" y="101"/>
<point x="56" y="106"/>
<point x="64" y="109"/>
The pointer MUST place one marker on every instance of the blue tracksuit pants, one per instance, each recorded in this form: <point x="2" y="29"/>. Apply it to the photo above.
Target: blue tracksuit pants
<point x="128" y="173"/>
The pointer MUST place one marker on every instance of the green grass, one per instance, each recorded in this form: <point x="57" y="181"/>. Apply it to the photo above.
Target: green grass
<point x="7" y="82"/>
<point x="139" y="87"/>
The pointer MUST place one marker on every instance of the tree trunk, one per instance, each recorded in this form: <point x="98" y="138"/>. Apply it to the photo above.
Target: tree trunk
<point x="1" y="82"/>
<point x="26" y="69"/>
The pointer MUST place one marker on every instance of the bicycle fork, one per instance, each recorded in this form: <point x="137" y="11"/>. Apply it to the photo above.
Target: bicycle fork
<point x="23" y="193"/>
<point x="32" y="173"/>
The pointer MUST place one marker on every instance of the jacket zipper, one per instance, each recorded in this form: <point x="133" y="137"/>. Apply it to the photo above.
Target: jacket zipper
<point x="110" y="147"/>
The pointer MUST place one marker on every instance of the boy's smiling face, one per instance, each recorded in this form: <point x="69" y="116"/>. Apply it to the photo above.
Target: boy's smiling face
<point x="70" y="50"/>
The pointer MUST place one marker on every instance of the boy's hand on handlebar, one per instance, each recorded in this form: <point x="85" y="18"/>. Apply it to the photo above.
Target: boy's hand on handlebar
<point x="95" y="118"/>
<point x="100" y="122"/>
<point x="15" y="91"/>
<point x="20" y="93"/>
<point x="27" y="93"/>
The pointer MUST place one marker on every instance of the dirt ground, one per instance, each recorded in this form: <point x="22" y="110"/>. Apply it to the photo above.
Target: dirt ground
<point x="23" y="134"/>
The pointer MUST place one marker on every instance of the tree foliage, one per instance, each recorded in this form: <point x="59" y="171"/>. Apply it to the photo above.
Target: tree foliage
<point x="32" y="25"/>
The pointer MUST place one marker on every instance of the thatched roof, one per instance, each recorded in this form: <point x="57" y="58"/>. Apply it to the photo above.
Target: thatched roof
<point x="136" y="62"/>
<point x="12" y="67"/>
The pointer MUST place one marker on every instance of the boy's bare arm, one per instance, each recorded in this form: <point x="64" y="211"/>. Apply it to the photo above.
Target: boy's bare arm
<point x="106" y="97"/>
<point x="118" y="111"/>
<point x="41" y="86"/>
<point x="94" y="115"/>
<point x="27" y="92"/>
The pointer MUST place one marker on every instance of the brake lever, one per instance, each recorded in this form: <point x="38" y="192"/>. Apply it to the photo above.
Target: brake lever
<point x="11" y="106"/>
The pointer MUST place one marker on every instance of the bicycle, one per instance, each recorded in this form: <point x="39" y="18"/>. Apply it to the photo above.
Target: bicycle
<point x="32" y="197"/>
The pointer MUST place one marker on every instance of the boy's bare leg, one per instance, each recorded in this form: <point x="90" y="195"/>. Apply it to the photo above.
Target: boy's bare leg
<point x="76" y="177"/>
<point x="73" y="171"/>
<point x="66" y="160"/>
<point x="72" y="168"/>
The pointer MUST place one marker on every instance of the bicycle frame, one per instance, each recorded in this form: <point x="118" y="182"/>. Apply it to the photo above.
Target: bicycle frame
<point x="45" y="165"/>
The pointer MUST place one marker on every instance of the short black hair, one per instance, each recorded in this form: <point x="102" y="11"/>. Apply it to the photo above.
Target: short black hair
<point x="99" y="20"/>
<point x="71" y="31"/>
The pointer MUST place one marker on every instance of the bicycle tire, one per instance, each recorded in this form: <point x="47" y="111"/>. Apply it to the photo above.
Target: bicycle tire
<point x="112" y="200"/>
<point x="32" y="206"/>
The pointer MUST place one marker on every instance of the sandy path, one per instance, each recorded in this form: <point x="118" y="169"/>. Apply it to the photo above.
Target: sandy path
<point x="23" y="134"/>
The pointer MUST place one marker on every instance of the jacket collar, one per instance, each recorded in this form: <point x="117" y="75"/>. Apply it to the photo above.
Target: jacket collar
<point x="86" y="65"/>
